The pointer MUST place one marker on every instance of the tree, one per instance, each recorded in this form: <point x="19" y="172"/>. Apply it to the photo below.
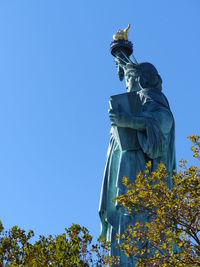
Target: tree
<point x="73" y="248"/>
<point x="170" y="235"/>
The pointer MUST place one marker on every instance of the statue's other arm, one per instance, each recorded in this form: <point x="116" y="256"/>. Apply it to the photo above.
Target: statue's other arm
<point x="127" y="121"/>
<point x="159" y="116"/>
<point x="153" y="126"/>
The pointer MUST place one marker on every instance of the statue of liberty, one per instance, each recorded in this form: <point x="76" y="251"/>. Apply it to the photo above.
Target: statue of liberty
<point x="142" y="130"/>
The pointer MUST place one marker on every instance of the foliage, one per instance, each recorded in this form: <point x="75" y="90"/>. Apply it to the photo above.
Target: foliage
<point x="168" y="234"/>
<point x="73" y="248"/>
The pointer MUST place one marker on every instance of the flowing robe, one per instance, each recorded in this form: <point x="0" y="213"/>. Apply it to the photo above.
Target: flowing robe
<point x="155" y="133"/>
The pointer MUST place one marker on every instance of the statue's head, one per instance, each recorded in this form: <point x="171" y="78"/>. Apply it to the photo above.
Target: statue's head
<point x="143" y="75"/>
<point x="132" y="77"/>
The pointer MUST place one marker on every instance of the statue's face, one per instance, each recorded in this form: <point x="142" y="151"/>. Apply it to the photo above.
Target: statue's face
<point x="132" y="81"/>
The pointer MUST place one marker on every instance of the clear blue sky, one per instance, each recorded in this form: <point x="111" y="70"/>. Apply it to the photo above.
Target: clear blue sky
<point x="56" y="75"/>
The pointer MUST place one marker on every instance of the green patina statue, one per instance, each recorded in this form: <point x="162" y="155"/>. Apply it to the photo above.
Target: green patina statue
<point x="142" y="130"/>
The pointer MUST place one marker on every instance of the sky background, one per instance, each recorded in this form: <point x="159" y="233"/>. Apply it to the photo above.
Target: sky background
<point x="56" y="76"/>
